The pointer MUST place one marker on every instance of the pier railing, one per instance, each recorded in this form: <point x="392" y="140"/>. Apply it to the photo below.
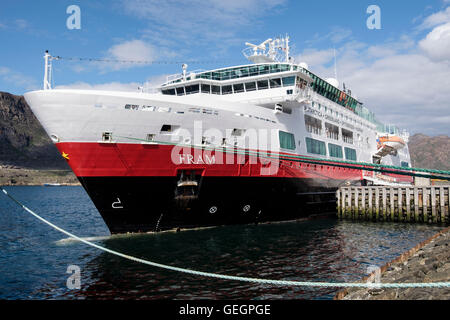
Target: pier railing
<point x="401" y="204"/>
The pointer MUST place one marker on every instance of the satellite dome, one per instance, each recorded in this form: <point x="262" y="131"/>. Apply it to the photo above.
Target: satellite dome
<point x="304" y="65"/>
<point x="333" y="82"/>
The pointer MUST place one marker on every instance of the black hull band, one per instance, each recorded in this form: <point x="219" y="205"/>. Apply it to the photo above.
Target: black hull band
<point x="142" y="204"/>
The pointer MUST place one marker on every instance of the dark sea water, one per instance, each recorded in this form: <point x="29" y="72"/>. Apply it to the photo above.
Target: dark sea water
<point x="34" y="257"/>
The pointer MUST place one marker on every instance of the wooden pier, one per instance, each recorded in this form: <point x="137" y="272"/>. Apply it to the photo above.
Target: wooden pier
<point x="401" y="204"/>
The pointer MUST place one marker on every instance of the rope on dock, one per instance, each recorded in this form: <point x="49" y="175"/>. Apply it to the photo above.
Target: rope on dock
<point x="228" y="277"/>
<point x="408" y="171"/>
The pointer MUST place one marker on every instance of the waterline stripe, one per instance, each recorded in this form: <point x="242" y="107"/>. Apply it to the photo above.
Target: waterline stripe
<point x="236" y="278"/>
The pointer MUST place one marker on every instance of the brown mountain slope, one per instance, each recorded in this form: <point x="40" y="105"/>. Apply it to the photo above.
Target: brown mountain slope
<point x="430" y="152"/>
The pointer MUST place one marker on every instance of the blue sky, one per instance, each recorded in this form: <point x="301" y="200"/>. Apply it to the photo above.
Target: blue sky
<point x="401" y="71"/>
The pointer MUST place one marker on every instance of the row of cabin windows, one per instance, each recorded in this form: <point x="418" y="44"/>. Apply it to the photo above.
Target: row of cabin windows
<point x="319" y="147"/>
<point x="314" y="125"/>
<point x="232" y="88"/>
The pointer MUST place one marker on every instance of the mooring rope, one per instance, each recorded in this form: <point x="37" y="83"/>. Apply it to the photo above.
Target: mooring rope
<point x="228" y="277"/>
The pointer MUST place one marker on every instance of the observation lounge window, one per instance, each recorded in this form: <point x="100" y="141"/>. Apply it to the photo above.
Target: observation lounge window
<point x="180" y="91"/>
<point x="215" y="89"/>
<point x="169" y="92"/>
<point x="263" y="84"/>
<point x="275" y="83"/>
<point x="288" y="81"/>
<point x="192" y="89"/>
<point x="250" y="86"/>
<point x="239" y="87"/>
<point x="227" y="89"/>
<point x="263" y="69"/>
<point x="206" y="88"/>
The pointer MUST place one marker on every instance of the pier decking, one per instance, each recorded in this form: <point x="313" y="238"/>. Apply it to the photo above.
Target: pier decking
<point x="428" y="204"/>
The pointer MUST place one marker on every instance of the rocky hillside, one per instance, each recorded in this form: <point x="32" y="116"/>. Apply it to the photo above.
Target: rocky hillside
<point x="430" y="152"/>
<point x="23" y="142"/>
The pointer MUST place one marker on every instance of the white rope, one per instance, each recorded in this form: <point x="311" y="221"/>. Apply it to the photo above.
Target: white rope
<point x="236" y="278"/>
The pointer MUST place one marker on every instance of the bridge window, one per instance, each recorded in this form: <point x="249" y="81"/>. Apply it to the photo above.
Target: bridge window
<point x="227" y="89"/>
<point x="169" y="92"/>
<point x="206" y="88"/>
<point x="287" y="140"/>
<point x="350" y="154"/>
<point x="275" y="83"/>
<point x="288" y="81"/>
<point x="335" y="151"/>
<point x="263" y="84"/>
<point x="405" y="164"/>
<point x="180" y="91"/>
<point x="250" y="86"/>
<point x="239" y="87"/>
<point x="192" y="89"/>
<point x="315" y="146"/>
<point x="215" y="89"/>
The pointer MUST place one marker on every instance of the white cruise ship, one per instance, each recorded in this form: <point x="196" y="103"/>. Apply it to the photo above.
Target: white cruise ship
<point x="260" y="142"/>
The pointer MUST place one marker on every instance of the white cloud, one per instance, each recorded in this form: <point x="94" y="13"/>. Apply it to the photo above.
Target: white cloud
<point x="436" y="19"/>
<point x="315" y="57"/>
<point x="404" y="81"/>
<point x="200" y="21"/>
<point x="133" y="50"/>
<point x="437" y="43"/>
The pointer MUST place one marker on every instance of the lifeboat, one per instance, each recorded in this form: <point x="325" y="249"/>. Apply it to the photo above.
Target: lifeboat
<point x="392" y="141"/>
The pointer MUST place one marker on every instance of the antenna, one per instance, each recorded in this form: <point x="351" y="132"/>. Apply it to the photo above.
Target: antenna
<point x="335" y="68"/>
<point x="47" y="71"/>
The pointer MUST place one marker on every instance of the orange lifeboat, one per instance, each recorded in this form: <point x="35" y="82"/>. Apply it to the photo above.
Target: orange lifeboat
<point x="391" y="141"/>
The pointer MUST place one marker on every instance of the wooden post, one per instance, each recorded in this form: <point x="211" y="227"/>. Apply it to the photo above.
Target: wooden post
<point x="338" y="197"/>
<point x="391" y="191"/>
<point x="408" y="204"/>
<point x="356" y="203"/>
<point x="363" y="203"/>
<point x="433" y="204"/>
<point x="384" y="204"/>
<point x="344" y="209"/>
<point x="370" y="204"/>
<point x="377" y="204"/>
<point x="416" y="204"/>
<point x="349" y="201"/>
<point x="424" y="204"/>
<point x="400" y="204"/>
<point x="442" y="203"/>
